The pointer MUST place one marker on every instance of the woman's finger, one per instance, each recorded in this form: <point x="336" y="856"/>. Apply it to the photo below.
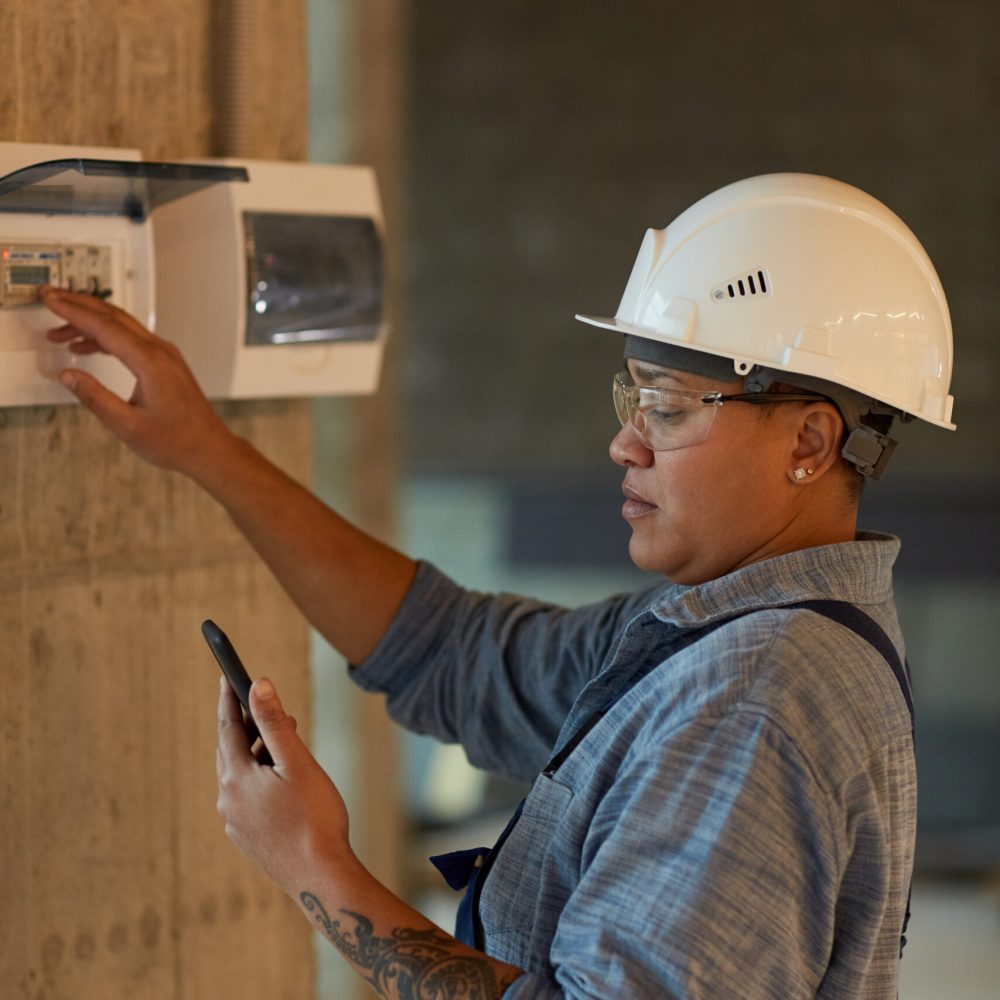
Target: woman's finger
<point x="111" y="328"/>
<point x="60" y="334"/>
<point x="233" y="747"/>
<point x="95" y="306"/>
<point x="111" y="409"/>
<point x="86" y="347"/>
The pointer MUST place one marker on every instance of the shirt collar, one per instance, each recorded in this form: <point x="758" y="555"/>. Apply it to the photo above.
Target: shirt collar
<point x="859" y="572"/>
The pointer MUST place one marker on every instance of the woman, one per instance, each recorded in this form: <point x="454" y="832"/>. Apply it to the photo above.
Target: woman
<point x="723" y="798"/>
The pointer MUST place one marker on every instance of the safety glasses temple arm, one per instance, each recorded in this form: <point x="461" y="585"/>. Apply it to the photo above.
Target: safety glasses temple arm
<point x="767" y="397"/>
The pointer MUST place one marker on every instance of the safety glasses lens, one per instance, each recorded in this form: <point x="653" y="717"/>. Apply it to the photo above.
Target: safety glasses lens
<point x="664" y="419"/>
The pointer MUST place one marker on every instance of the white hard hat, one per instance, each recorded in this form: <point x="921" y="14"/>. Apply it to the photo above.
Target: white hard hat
<point x="799" y="275"/>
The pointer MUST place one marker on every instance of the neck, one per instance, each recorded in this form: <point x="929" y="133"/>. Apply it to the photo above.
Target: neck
<point x="824" y="519"/>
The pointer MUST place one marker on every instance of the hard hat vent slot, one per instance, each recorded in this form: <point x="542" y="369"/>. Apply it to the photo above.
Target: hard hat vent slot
<point x="752" y="284"/>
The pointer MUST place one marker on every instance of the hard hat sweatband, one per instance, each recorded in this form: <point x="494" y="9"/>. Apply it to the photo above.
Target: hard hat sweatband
<point x="682" y="359"/>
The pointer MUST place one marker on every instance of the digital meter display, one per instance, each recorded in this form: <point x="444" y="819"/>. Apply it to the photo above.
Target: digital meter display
<point x="312" y="278"/>
<point x="27" y="275"/>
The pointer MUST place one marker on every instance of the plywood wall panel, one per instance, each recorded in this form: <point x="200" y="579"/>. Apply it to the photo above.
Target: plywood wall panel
<point x="116" y="878"/>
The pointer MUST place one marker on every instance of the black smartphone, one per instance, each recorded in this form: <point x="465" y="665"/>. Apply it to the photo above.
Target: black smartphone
<point x="239" y="679"/>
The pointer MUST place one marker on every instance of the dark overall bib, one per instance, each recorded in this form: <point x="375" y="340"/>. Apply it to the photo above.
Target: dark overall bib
<point x="469" y="869"/>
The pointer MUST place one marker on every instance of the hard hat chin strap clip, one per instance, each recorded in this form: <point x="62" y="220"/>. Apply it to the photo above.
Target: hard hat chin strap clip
<point x="868" y="451"/>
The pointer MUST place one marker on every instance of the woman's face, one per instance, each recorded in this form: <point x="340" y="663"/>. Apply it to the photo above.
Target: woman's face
<point x="702" y="511"/>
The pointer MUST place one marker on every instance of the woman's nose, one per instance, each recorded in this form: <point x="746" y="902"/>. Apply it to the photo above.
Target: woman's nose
<point x="626" y="448"/>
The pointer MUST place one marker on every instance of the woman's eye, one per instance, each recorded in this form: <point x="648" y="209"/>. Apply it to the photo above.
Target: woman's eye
<point x="662" y="416"/>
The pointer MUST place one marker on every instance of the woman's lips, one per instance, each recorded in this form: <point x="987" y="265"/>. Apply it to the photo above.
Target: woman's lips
<point x="635" y="505"/>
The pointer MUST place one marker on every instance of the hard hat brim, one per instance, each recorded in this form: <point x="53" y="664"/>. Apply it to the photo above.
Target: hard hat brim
<point x="740" y="365"/>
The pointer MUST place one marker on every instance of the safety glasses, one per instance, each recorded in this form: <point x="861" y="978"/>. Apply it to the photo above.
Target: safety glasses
<point x="665" y="419"/>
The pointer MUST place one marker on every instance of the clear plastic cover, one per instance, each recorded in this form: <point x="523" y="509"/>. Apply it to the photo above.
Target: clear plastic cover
<point x="312" y="278"/>
<point x="106" y="187"/>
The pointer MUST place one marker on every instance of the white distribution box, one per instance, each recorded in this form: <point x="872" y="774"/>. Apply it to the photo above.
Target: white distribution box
<point x="276" y="287"/>
<point x="269" y="276"/>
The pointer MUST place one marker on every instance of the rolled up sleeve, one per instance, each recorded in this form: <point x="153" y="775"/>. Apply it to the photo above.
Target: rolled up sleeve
<point x="496" y="673"/>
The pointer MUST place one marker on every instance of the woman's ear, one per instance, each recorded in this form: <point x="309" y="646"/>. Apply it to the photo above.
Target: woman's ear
<point x="819" y="430"/>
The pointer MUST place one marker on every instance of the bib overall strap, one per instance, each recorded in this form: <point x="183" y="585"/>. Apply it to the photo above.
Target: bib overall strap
<point x="858" y="622"/>
<point x="468" y="870"/>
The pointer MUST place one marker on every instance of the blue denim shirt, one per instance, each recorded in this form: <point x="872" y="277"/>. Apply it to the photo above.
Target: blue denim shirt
<point x="740" y="824"/>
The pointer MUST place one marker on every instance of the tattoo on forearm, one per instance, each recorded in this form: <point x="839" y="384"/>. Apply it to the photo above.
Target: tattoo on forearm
<point x="411" y="964"/>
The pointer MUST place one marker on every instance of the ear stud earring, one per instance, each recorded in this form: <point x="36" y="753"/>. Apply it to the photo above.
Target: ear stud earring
<point x="801" y="473"/>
